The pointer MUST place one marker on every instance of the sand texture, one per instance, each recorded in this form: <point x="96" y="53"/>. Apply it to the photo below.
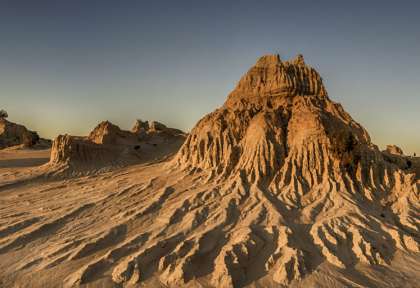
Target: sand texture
<point x="279" y="187"/>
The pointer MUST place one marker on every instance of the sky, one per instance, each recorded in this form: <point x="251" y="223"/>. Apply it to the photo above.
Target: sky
<point x="67" y="65"/>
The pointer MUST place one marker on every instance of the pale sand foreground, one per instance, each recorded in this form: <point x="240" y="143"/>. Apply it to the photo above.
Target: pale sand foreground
<point x="16" y="163"/>
<point x="89" y="228"/>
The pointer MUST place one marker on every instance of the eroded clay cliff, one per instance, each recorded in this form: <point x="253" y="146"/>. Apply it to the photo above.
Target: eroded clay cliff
<point x="109" y="146"/>
<point x="12" y="134"/>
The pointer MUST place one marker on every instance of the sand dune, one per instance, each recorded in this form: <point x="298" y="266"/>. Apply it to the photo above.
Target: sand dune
<point x="279" y="187"/>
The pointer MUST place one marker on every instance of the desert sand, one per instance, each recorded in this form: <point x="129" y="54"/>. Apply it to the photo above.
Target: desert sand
<point x="279" y="187"/>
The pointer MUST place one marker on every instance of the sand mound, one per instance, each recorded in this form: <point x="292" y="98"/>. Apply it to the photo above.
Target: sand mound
<point x="108" y="146"/>
<point x="280" y="134"/>
<point x="12" y="134"/>
<point x="290" y="127"/>
<point x="279" y="187"/>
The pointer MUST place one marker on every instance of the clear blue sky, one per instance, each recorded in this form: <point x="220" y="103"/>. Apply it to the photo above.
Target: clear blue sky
<point x="66" y="65"/>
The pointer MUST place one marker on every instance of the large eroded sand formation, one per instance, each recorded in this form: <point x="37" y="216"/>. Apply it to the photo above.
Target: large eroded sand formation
<point x="278" y="187"/>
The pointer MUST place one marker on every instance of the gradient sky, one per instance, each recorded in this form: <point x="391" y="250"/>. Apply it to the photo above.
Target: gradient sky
<point x="66" y="65"/>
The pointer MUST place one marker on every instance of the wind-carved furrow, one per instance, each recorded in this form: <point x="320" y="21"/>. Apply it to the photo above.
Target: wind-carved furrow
<point x="16" y="227"/>
<point x="130" y="198"/>
<point x="343" y="242"/>
<point x="43" y="230"/>
<point x="144" y="263"/>
<point x="97" y="267"/>
<point x="175" y="268"/>
<point x="292" y="267"/>
<point x="194" y="257"/>
<point x="52" y="258"/>
<point x="174" y="256"/>
<point x="107" y="238"/>
<point x="176" y="217"/>
<point x="255" y="252"/>
<point x="137" y="188"/>
<point x="154" y="206"/>
<point x="180" y="212"/>
<point x="244" y="258"/>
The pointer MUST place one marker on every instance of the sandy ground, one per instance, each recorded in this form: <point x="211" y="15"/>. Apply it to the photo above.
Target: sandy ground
<point x="22" y="158"/>
<point x="85" y="231"/>
<point x="18" y="164"/>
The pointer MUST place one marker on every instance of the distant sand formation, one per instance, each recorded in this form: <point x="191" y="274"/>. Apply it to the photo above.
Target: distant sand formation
<point x="109" y="146"/>
<point x="12" y="134"/>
